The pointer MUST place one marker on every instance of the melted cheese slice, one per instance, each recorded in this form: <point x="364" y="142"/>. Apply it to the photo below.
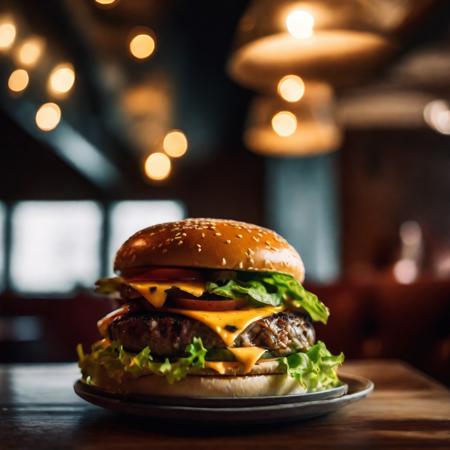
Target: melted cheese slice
<point x="222" y="367"/>
<point x="155" y="292"/>
<point x="247" y="356"/>
<point x="229" y="324"/>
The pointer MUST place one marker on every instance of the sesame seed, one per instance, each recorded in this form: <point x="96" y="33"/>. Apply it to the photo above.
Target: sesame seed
<point x="180" y="242"/>
<point x="228" y="241"/>
<point x="241" y="265"/>
<point x="218" y="234"/>
<point x="224" y="261"/>
<point x="203" y="235"/>
<point x="255" y="238"/>
<point x="183" y="234"/>
<point x="239" y="236"/>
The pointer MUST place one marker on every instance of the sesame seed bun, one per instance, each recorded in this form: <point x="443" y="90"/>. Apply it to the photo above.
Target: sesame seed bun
<point x="210" y="244"/>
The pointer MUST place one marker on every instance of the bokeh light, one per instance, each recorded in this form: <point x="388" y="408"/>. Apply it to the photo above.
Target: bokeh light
<point x="61" y="79"/>
<point x="405" y="271"/>
<point x="284" y="123"/>
<point x="437" y="115"/>
<point x="175" y="143"/>
<point x="157" y="166"/>
<point x="18" y="80"/>
<point x="291" y="88"/>
<point x="105" y="2"/>
<point x="48" y="116"/>
<point x="142" y="45"/>
<point x="7" y="33"/>
<point x="300" y="24"/>
<point x="30" y="51"/>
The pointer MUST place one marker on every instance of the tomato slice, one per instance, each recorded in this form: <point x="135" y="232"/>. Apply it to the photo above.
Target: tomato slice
<point x="163" y="274"/>
<point x="209" y="305"/>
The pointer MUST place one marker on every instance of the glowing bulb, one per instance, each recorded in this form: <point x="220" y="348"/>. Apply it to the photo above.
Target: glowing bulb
<point x="30" y="51"/>
<point x="7" y="34"/>
<point x="18" y="80"/>
<point x="105" y="2"/>
<point x="175" y="144"/>
<point x="437" y="115"/>
<point x="61" y="79"/>
<point x="284" y="123"/>
<point x="157" y="166"/>
<point x="142" y="46"/>
<point x="300" y="24"/>
<point x="291" y="88"/>
<point x="405" y="271"/>
<point x="48" y="116"/>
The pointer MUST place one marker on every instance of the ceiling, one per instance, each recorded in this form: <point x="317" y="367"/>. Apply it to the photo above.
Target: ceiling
<point x="120" y="108"/>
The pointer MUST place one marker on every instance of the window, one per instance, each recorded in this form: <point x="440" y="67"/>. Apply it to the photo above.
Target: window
<point x="130" y="216"/>
<point x="55" y="245"/>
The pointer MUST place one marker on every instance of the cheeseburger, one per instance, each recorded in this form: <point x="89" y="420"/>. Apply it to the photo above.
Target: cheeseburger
<point x="209" y="308"/>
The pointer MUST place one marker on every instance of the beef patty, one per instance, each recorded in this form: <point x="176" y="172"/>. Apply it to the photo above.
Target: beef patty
<point x="168" y="334"/>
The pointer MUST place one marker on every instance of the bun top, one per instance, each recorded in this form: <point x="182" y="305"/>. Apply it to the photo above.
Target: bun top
<point x="210" y="244"/>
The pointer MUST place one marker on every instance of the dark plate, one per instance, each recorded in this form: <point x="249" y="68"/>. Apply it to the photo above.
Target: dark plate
<point x="212" y="402"/>
<point x="232" y="410"/>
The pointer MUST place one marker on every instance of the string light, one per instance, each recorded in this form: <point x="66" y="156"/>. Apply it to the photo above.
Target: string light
<point x="7" y="33"/>
<point x="61" y="79"/>
<point x="157" y="166"/>
<point x="175" y="143"/>
<point x="300" y="24"/>
<point x="142" y="45"/>
<point x="48" y="116"/>
<point x="18" y="80"/>
<point x="291" y="88"/>
<point x="30" y="51"/>
<point x="284" y="123"/>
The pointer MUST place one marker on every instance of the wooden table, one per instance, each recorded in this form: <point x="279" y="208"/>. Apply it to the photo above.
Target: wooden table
<point x="38" y="410"/>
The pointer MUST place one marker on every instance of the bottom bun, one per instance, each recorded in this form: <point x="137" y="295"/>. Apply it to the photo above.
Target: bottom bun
<point x="205" y="386"/>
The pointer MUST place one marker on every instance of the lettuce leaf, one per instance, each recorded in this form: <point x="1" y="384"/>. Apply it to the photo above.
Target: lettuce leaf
<point x="119" y="364"/>
<point x="315" y="369"/>
<point x="252" y="288"/>
<point x="270" y="289"/>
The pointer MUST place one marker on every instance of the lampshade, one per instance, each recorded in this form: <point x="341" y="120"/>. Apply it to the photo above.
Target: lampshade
<point x="336" y="41"/>
<point x="388" y="107"/>
<point x="425" y="68"/>
<point x="277" y="128"/>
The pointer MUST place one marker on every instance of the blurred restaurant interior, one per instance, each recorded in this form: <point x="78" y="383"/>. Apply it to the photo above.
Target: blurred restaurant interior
<point x="328" y="121"/>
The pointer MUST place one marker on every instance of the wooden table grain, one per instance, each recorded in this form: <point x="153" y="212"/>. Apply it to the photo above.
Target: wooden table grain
<point x="38" y="410"/>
